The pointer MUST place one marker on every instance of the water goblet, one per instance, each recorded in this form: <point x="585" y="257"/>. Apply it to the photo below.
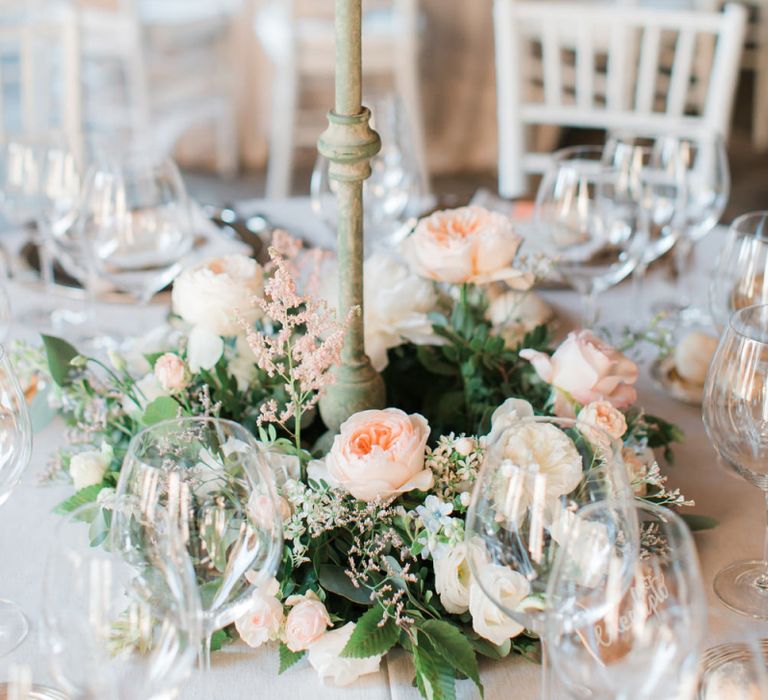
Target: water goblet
<point x="536" y="474"/>
<point x="212" y="477"/>
<point x="740" y="275"/>
<point x="121" y="623"/>
<point x="627" y="605"/>
<point x="582" y="226"/>
<point x="735" y="408"/>
<point x="15" y="453"/>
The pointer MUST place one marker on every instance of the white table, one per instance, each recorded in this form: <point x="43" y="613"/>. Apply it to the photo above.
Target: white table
<point x="241" y="673"/>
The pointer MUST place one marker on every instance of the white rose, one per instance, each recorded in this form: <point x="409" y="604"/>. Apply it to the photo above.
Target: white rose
<point x="243" y="365"/>
<point x="589" y="548"/>
<point x="397" y="304"/>
<point x="509" y="413"/>
<point x="469" y="244"/>
<point x="325" y="657"/>
<point x="213" y="294"/>
<point x="263" y="620"/>
<point x="693" y="355"/>
<point x="510" y="588"/>
<point x="453" y="579"/>
<point x="514" y="313"/>
<point x="306" y="623"/>
<point x="88" y="468"/>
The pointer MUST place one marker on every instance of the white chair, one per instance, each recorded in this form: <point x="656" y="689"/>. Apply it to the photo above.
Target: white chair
<point x="162" y="67"/>
<point x="637" y="94"/>
<point x="298" y="37"/>
<point x="755" y="59"/>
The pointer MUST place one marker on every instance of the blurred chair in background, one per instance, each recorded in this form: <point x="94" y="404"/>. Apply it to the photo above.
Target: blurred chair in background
<point x="621" y="77"/>
<point x="298" y="37"/>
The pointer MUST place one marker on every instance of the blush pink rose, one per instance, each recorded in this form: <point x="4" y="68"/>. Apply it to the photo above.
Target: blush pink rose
<point x="306" y="622"/>
<point x="584" y="369"/>
<point x="603" y="415"/>
<point x="470" y="244"/>
<point x="172" y="373"/>
<point x="379" y="454"/>
<point x="262" y="622"/>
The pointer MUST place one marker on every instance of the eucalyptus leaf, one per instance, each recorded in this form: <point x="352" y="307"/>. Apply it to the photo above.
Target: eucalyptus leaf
<point x="333" y="579"/>
<point x="59" y="354"/>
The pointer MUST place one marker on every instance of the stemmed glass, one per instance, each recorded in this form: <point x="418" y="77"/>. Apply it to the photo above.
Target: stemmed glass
<point x="136" y="222"/>
<point x="740" y="278"/>
<point x="15" y="453"/>
<point x="627" y="605"/>
<point x="583" y="224"/>
<point x="736" y="418"/>
<point x="536" y="475"/>
<point x="121" y="624"/>
<point x="212" y="477"/>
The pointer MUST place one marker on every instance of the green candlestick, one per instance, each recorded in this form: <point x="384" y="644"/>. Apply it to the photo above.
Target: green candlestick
<point x="349" y="143"/>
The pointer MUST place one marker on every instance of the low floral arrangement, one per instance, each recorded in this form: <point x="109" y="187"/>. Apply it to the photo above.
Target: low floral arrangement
<point x="374" y="551"/>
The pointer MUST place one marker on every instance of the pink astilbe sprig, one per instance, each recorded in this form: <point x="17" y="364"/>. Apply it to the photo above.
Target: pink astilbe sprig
<point x="304" y="346"/>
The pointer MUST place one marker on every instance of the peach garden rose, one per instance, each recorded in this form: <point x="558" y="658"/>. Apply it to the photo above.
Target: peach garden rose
<point x="378" y="454"/>
<point x="469" y="244"/>
<point x="584" y="369"/>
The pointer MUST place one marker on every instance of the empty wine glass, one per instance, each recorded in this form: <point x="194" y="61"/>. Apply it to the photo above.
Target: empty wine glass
<point x="210" y="474"/>
<point x="121" y="624"/>
<point x="627" y="605"/>
<point x="15" y="453"/>
<point x="740" y="277"/>
<point x="704" y="163"/>
<point x="584" y="227"/>
<point x="736" y="418"/>
<point x="136" y="220"/>
<point x="536" y="474"/>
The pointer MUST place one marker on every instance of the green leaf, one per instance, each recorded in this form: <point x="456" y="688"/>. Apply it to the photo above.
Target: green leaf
<point x="699" y="522"/>
<point x="219" y="638"/>
<point x="333" y="579"/>
<point x="454" y="647"/>
<point x="489" y="649"/>
<point x="59" y="354"/>
<point x="80" y="498"/>
<point x="370" y="637"/>
<point x="162" y="408"/>
<point x="288" y="658"/>
<point x="434" y="677"/>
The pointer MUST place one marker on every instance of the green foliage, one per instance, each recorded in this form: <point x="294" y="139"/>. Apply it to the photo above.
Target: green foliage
<point x="59" y="354"/>
<point x="80" y="498"/>
<point x="435" y="677"/>
<point x="454" y="647"/>
<point x="221" y="637"/>
<point x="288" y="658"/>
<point x="162" y="408"/>
<point x="370" y="637"/>
<point x="333" y="579"/>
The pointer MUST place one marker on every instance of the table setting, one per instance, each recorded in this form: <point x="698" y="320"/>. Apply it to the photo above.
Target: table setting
<point x="358" y="445"/>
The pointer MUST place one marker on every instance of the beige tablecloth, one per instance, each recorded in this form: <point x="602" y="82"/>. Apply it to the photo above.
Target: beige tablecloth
<point x="26" y="524"/>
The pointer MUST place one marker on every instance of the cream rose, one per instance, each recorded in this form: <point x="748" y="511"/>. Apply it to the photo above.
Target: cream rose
<point x="325" y="657"/>
<point x="514" y="313"/>
<point x="88" y="468"/>
<point x="306" y="623"/>
<point x="172" y="373"/>
<point x="470" y="244"/>
<point x="693" y="355"/>
<point x="453" y="579"/>
<point x="378" y="454"/>
<point x="263" y="621"/>
<point x="536" y="461"/>
<point x="214" y="294"/>
<point x="584" y="369"/>
<point x="601" y="414"/>
<point x="509" y="413"/>
<point x="510" y="588"/>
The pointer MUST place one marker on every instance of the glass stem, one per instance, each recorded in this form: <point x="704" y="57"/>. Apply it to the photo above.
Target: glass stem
<point x="683" y="264"/>
<point x="589" y="310"/>
<point x="762" y="580"/>
<point x="638" y="291"/>
<point x="204" y="657"/>
<point x="546" y="673"/>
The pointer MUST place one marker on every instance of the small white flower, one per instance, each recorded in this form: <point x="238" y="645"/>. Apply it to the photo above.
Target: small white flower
<point x="435" y="513"/>
<point x="88" y="468"/>
<point x="325" y="657"/>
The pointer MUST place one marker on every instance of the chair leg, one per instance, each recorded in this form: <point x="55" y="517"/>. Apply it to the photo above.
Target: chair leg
<point x="282" y="125"/>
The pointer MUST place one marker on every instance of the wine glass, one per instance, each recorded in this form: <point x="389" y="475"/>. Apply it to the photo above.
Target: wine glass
<point x="394" y="181"/>
<point x="583" y="225"/>
<point x="536" y="474"/>
<point x="740" y="276"/>
<point x="136" y="221"/>
<point x="736" y="419"/>
<point x="15" y="453"/>
<point x="704" y="163"/>
<point x="212" y="476"/>
<point x="628" y="616"/>
<point x="121" y="624"/>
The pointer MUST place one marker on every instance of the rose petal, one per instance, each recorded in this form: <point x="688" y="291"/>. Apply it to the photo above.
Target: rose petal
<point x="203" y="349"/>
